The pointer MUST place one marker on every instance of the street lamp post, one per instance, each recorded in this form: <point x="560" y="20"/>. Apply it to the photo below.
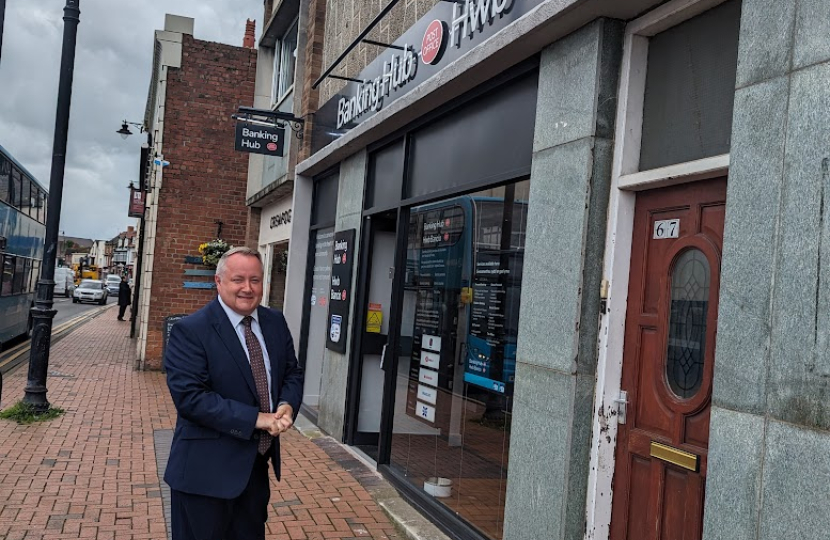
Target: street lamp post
<point x="42" y="312"/>
<point x="2" y="19"/>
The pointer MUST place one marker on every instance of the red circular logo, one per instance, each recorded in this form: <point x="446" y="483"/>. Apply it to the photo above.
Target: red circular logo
<point x="272" y="147"/>
<point x="343" y="295"/>
<point x="433" y="40"/>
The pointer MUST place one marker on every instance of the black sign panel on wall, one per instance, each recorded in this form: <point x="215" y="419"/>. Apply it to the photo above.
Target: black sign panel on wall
<point x="167" y="327"/>
<point x="267" y="140"/>
<point x="341" y="290"/>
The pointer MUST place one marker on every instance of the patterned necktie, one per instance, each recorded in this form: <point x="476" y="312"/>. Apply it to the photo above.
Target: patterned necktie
<point x="260" y="378"/>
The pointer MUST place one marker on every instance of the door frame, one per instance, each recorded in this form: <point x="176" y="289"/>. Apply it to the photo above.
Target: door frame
<point x="351" y="435"/>
<point x="626" y="181"/>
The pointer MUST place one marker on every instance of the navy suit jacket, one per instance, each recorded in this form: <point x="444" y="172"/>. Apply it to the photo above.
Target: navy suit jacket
<point x="210" y="380"/>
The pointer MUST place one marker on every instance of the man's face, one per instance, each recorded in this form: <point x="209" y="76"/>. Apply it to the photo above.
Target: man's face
<point x="240" y="285"/>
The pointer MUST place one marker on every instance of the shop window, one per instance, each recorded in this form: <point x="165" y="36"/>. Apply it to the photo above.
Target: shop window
<point x="455" y="379"/>
<point x="279" y="264"/>
<point x="494" y="136"/>
<point x="385" y="181"/>
<point x="690" y="89"/>
<point x="322" y="242"/>
<point x="324" y="207"/>
<point x="285" y="60"/>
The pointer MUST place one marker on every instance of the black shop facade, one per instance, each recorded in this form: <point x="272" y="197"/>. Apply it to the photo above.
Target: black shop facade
<point x="411" y="286"/>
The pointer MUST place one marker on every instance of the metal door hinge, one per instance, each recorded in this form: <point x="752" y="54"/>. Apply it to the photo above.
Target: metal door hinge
<point x="622" y="406"/>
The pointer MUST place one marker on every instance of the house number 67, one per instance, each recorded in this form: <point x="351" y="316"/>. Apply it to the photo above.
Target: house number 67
<point x="667" y="228"/>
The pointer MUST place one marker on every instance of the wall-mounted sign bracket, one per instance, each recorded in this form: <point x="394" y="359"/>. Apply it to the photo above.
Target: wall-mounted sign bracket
<point x="360" y="37"/>
<point x="268" y="118"/>
<point x="350" y="79"/>
<point x="380" y="44"/>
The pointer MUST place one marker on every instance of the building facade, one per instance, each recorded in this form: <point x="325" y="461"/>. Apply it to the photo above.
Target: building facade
<point x="556" y="266"/>
<point x="197" y="181"/>
<point x="287" y="60"/>
<point x="121" y="253"/>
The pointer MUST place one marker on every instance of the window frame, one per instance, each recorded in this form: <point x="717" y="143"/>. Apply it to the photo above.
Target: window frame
<point x="278" y="94"/>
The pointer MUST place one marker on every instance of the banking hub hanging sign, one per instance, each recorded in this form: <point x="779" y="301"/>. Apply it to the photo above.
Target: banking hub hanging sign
<point x="448" y="31"/>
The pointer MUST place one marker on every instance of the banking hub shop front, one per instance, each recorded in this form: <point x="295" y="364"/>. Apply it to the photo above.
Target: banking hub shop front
<point x="447" y="251"/>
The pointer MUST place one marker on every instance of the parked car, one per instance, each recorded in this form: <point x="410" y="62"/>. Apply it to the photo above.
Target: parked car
<point x="64" y="281"/>
<point x="90" y="290"/>
<point x="113" y="282"/>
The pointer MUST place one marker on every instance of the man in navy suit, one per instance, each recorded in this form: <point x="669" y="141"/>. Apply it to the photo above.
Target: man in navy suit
<point x="236" y="384"/>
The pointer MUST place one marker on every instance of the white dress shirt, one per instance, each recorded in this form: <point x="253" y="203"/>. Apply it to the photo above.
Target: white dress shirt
<point x="236" y="322"/>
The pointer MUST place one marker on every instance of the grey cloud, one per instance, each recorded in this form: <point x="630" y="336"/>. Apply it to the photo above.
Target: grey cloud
<point x="112" y="75"/>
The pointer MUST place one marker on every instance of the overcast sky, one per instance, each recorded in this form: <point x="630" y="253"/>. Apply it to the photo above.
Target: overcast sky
<point x="112" y="76"/>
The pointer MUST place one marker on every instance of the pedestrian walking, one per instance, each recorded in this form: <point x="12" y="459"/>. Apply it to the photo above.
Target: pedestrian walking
<point x="236" y="384"/>
<point x="124" y="297"/>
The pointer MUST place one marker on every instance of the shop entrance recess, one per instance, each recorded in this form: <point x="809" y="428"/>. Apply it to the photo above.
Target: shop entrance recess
<point x="374" y="323"/>
<point x="668" y="359"/>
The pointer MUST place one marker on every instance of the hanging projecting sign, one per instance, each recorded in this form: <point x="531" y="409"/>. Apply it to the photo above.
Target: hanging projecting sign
<point x="342" y="263"/>
<point x="266" y="140"/>
<point x="445" y="33"/>
<point x="136" y="207"/>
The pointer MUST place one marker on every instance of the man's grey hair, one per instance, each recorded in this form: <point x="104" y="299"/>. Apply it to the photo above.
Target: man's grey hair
<point x="241" y="250"/>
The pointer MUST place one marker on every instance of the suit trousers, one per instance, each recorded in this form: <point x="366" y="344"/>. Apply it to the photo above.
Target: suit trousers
<point x="197" y="517"/>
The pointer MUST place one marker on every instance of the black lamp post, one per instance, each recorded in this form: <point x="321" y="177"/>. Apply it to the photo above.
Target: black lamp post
<point x="42" y="312"/>
<point x="2" y="18"/>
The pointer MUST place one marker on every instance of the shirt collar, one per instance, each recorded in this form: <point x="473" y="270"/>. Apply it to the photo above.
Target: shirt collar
<point x="235" y="317"/>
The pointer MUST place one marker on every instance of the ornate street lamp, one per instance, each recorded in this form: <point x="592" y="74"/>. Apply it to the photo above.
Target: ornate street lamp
<point x="125" y="129"/>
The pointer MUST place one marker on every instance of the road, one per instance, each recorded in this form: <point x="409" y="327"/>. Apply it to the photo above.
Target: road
<point x="67" y="310"/>
<point x="67" y="318"/>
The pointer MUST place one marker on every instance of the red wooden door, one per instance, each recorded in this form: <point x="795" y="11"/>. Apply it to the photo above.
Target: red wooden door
<point x="668" y="357"/>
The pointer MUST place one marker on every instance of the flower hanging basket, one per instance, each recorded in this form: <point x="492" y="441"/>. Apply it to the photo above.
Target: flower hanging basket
<point x="212" y="251"/>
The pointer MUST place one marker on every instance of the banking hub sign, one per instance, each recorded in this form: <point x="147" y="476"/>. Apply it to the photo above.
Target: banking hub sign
<point x="448" y="31"/>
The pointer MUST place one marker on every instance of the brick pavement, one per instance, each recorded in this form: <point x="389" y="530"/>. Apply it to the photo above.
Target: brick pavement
<point x="93" y="472"/>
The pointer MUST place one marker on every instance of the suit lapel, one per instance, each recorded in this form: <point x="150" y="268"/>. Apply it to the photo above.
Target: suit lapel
<point x="269" y="332"/>
<point x="230" y="340"/>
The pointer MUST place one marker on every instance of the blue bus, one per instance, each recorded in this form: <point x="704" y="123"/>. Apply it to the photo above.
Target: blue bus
<point x="22" y="232"/>
<point x="464" y="269"/>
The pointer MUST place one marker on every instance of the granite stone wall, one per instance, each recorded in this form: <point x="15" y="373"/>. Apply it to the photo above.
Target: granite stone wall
<point x="769" y="457"/>
<point x="556" y="360"/>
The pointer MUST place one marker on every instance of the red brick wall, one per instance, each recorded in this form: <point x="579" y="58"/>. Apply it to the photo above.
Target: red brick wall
<point x="313" y="62"/>
<point x="206" y="179"/>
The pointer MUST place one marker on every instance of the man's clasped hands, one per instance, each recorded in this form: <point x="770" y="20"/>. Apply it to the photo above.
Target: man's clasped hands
<point x="276" y="422"/>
